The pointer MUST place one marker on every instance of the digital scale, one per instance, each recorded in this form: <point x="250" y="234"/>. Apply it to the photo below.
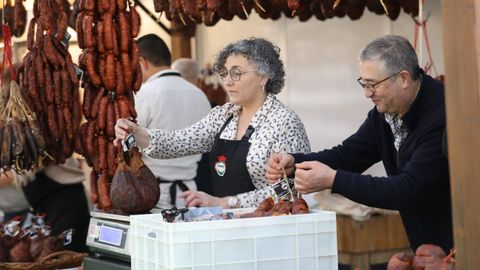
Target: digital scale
<point x="108" y="240"/>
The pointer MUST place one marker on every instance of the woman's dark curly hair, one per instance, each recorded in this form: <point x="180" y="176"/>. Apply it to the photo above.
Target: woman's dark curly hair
<point x="262" y="54"/>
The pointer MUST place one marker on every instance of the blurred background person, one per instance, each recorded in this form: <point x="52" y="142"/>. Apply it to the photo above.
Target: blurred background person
<point x="58" y="192"/>
<point x="188" y="68"/>
<point x="190" y="71"/>
<point x="169" y="102"/>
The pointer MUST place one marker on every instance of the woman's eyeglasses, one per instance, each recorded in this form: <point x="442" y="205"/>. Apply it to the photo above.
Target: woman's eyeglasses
<point x="235" y="73"/>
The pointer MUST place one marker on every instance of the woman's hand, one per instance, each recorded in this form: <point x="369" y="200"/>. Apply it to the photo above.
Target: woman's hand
<point x="125" y="127"/>
<point x="276" y="163"/>
<point x="202" y="199"/>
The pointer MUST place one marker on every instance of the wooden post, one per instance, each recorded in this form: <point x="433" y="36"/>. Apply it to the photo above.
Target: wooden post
<point x="180" y="46"/>
<point x="461" y="35"/>
<point x="181" y="39"/>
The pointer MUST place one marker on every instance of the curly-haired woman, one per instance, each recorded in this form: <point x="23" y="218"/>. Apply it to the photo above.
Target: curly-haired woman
<point x="239" y="135"/>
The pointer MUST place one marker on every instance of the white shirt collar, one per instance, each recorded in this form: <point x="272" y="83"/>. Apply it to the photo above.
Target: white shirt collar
<point x="155" y="75"/>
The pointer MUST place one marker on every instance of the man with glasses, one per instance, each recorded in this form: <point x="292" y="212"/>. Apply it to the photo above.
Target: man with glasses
<point x="404" y="130"/>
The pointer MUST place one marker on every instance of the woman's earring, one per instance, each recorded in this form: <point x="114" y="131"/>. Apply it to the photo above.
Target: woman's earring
<point x="263" y="88"/>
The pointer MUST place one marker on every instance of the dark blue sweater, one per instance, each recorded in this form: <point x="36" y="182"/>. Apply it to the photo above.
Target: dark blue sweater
<point x="418" y="182"/>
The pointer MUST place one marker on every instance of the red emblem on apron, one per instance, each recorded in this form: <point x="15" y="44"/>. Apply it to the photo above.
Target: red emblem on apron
<point x="221" y="165"/>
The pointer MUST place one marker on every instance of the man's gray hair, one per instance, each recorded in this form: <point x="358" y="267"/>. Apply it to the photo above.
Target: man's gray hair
<point x="260" y="53"/>
<point x="395" y="53"/>
<point x="188" y="68"/>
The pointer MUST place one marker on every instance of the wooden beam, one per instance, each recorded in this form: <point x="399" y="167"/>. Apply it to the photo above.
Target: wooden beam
<point x="180" y="46"/>
<point x="462" y="90"/>
<point x="181" y="39"/>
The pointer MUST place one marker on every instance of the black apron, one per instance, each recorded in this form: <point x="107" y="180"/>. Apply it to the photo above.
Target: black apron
<point x="174" y="183"/>
<point x="228" y="161"/>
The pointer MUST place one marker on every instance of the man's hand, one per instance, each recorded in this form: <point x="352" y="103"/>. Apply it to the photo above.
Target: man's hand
<point x="313" y="176"/>
<point x="202" y="199"/>
<point x="276" y="163"/>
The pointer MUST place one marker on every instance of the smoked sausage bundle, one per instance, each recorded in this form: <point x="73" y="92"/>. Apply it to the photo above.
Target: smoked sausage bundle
<point x="22" y="146"/>
<point x="49" y="81"/>
<point x="15" y="16"/>
<point x="106" y="31"/>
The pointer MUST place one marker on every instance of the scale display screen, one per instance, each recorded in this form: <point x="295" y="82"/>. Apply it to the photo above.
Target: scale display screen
<point x="111" y="236"/>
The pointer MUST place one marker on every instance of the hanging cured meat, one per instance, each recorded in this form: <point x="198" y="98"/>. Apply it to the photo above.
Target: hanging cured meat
<point x="224" y="12"/>
<point x="161" y="5"/>
<point x="209" y="12"/>
<point x="304" y="12"/>
<point x="340" y="8"/>
<point x="392" y="8"/>
<point x="263" y="8"/>
<point x="355" y="9"/>
<point x="316" y="9"/>
<point x="134" y="188"/>
<point x="375" y="6"/>
<point x="106" y="32"/>
<point x="275" y="9"/>
<point x="240" y="8"/>
<point x="293" y="5"/>
<point x="409" y="6"/>
<point x="49" y="81"/>
<point x="14" y="15"/>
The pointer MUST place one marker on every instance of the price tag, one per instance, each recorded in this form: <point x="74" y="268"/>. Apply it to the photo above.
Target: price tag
<point x="283" y="189"/>
<point x="78" y="71"/>
<point x="129" y="142"/>
<point x="68" y="237"/>
<point x="66" y="38"/>
<point x="93" y="230"/>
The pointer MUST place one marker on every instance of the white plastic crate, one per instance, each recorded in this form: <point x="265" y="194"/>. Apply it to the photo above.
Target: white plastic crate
<point x="300" y="242"/>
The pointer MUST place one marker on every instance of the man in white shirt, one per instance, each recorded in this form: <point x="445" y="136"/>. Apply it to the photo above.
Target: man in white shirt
<point x="167" y="101"/>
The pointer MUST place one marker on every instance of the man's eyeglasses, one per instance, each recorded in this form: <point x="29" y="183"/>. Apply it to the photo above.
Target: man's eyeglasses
<point x="371" y="87"/>
<point x="235" y="73"/>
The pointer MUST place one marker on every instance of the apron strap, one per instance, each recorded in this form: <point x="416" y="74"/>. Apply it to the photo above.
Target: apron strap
<point x="173" y="189"/>
<point x="224" y="126"/>
<point x="248" y="133"/>
<point x="246" y="136"/>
